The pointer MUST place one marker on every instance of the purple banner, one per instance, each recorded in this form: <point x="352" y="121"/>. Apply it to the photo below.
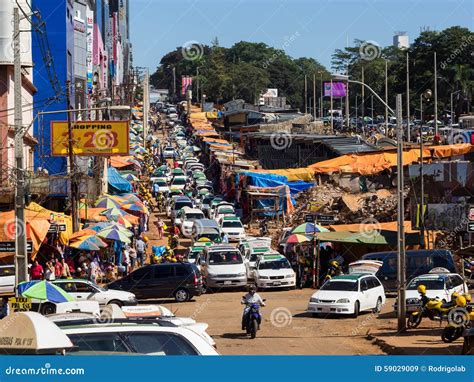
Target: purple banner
<point x="338" y="89"/>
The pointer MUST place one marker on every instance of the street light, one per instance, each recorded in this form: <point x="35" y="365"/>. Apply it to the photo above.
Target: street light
<point x="427" y="96"/>
<point x="342" y="77"/>
<point x="452" y="111"/>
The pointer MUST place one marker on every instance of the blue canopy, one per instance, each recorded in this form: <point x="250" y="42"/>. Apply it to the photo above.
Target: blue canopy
<point x="273" y="180"/>
<point x="117" y="183"/>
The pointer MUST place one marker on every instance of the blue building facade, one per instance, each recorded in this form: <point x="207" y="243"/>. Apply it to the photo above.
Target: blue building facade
<point x="58" y="16"/>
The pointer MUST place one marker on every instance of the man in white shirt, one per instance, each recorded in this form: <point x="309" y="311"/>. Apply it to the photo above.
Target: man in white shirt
<point x="252" y="297"/>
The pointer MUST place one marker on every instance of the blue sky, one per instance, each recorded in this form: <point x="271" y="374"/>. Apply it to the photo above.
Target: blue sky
<point x="300" y="27"/>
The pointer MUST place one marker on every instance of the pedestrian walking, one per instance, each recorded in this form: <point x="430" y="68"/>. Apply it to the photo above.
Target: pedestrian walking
<point x="36" y="271"/>
<point x="133" y="257"/>
<point x="140" y="246"/>
<point x="161" y="225"/>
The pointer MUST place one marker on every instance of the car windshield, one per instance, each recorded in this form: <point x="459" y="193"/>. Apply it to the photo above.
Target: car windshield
<point x="194" y="216"/>
<point x="179" y="205"/>
<point x="434" y="284"/>
<point x="161" y="182"/>
<point x="276" y="264"/>
<point x="179" y="181"/>
<point x="225" y="211"/>
<point x="232" y="224"/>
<point x="347" y="286"/>
<point x="225" y="257"/>
<point x="215" y="237"/>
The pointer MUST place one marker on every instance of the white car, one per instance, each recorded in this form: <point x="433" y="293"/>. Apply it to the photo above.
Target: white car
<point x="348" y="294"/>
<point x="438" y="285"/>
<point x="223" y="267"/>
<point x="251" y="249"/>
<point x="232" y="227"/>
<point x="185" y="219"/>
<point x="162" y="184"/>
<point x="274" y="271"/>
<point x="169" y="152"/>
<point x="178" y="182"/>
<point x="7" y="279"/>
<point x="83" y="290"/>
<point x="223" y="210"/>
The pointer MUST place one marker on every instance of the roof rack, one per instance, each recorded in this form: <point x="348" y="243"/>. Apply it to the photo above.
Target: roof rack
<point x="106" y="321"/>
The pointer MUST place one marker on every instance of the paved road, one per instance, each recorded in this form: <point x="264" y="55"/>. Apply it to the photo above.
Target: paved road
<point x="286" y="329"/>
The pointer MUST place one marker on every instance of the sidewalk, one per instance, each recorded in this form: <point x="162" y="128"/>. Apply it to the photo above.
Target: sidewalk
<point x="424" y="340"/>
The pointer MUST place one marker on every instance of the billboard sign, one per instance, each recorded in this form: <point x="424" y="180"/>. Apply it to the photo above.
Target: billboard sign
<point x="91" y="138"/>
<point x="338" y="89"/>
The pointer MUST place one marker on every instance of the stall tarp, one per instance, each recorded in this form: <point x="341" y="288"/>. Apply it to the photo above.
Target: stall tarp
<point x="369" y="238"/>
<point x="386" y="226"/>
<point x="120" y="161"/>
<point x="38" y="223"/>
<point x="286" y="201"/>
<point x="117" y="183"/>
<point x="374" y="163"/>
<point x="275" y="180"/>
<point x="292" y="174"/>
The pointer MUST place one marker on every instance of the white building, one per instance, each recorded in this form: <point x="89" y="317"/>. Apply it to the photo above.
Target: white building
<point x="400" y="40"/>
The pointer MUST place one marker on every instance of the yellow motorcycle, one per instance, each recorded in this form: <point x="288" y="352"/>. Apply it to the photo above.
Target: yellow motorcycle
<point x="459" y="319"/>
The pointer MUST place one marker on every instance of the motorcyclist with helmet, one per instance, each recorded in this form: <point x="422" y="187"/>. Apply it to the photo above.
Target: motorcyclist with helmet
<point x="252" y="297"/>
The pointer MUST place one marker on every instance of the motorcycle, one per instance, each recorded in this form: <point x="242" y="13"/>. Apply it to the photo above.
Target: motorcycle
<point x="460" y="319"/>
<point x="263" y="228"/>
<point x="252" y="319"/>
<point x="432" y="309"/>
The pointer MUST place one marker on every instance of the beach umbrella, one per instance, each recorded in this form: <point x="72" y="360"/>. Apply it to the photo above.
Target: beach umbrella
<point x="122" y="220"/>
<point x="131" y="178"/>
<point x="82" y="233"/>
<point x="309" y="228"/>
<point x="106" y="202"/>
<point x="100" y="226"/>
<point x="139" y="150"/>
<point x="297" y="239"/>
<point x="137" y="207"/>
<point x="84" y="245"/>
<point x="130" y="198"/>
<point x="91" y="239"/>
<point x="114" y="234"/>
<point x="121" y="228"/>
<point x="44" y="291"/>
<point x="113" y="212"/>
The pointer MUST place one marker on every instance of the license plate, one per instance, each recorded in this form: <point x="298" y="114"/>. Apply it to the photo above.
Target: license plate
<point x="227" y="282"/>
<point x="277" y="283"/>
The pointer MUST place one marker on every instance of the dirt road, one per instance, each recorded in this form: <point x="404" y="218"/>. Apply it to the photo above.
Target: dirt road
<point x="286" y="329"/>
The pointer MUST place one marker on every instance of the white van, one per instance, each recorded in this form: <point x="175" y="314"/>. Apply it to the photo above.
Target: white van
<point x="223" y="267"/>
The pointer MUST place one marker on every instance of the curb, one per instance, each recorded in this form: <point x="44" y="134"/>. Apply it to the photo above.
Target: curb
<point x="384" y="346"/>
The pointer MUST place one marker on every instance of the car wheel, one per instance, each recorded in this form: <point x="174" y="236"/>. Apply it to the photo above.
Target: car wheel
<point x="356" y="309"/>
<point x="116" y="302"/>
<point x="181" y="295"/>
<point x="47" y="308"/>
<point x="378" y="305"/>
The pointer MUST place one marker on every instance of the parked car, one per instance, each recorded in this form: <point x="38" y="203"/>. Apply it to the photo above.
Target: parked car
<point x="418" y="262"/>
<point x="250" y="250"/>
<point x="223" y="210"/>
<point x="178" y="203"/>
<point x="178" y="182"/>
<point x="180" y="281"/>
<point x="169" y="152"/>
<point x="438" y="285"/>
<point x="348" y="294"/>
<point x="162" y="184"/>
<point x="7" y="279"/>
<point x="83" y="290"/>
<point x="274" y="271"/>
<point x="232" y="227"/>
<point x="206" y="228"/>
<point x="185" y="219"/>
<point x="223" y="267"/>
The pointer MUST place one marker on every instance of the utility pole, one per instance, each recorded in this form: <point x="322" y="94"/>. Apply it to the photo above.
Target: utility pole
<point x="435" y="95"/>
<point x="197" y="85"/>
<point x="408" y="100"/>
<point x="332" y="122"/>
<point x="21" y="250"/>
<point x="347" y="103"/>
<point x="314" y="96"/>
<point x="363" y="97"/>
<point x="322" y="96"/>
<point x="305" y="94"/>
<point x="72" y="167"/>
<point x="386" y="96"/>
<point x="174" y="83"/>
<point x="146" y="103"/>
<point x="401" y="268"/>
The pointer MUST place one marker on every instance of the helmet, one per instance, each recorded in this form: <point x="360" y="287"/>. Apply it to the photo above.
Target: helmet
<point x="168" y="247"/>
<point x="252" y="288"/>
<point x="173" y="260"/>
<point x="468" y="297"/>
<point x="334" y="263"/>
<point x="145" y="238"/>
<point x="454" y="296"/>
<point x="421" y="289"/>
<point x="461" y="301"/>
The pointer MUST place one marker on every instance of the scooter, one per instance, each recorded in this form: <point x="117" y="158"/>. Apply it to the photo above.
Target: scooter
<point x="252" y="319"/>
